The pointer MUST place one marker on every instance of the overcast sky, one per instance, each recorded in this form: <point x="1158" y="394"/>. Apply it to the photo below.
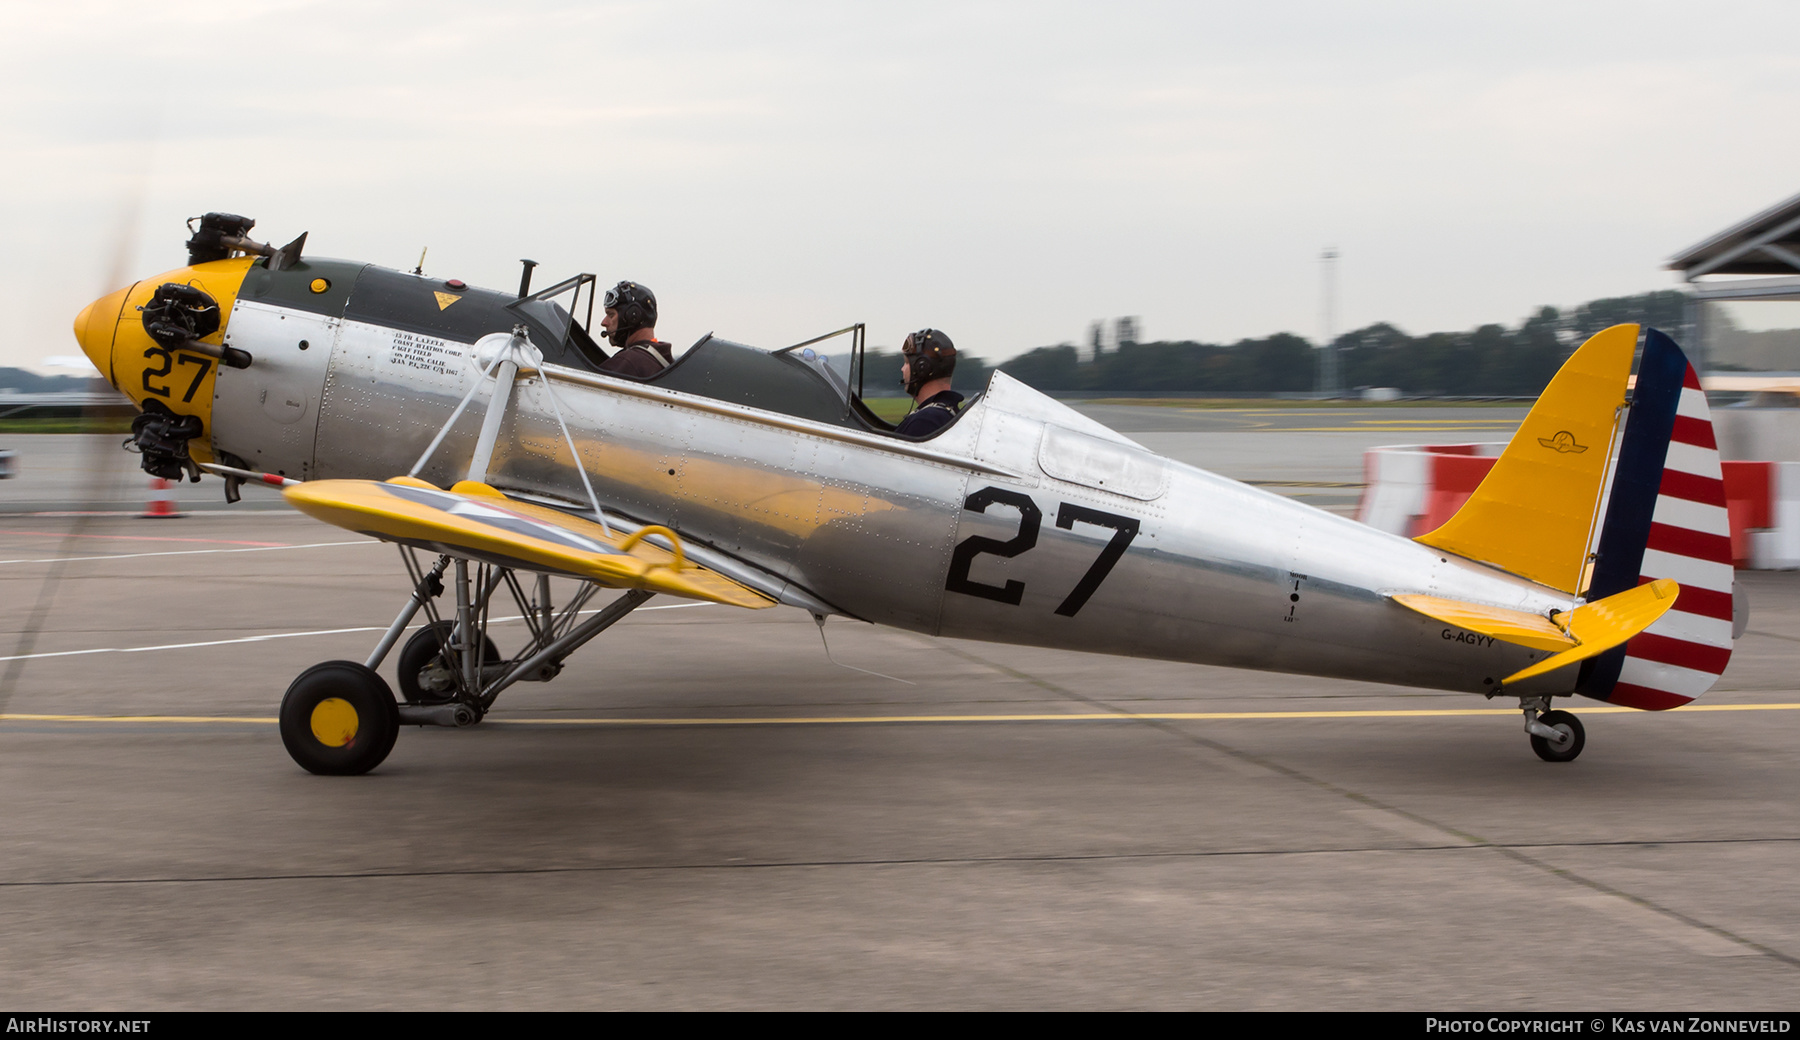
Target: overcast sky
<point x="1007" y="172"/>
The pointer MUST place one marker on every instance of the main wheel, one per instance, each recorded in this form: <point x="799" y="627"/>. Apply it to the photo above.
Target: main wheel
<point x="431" y="645"/>
<point x="1564" y="721"/>
<point x="339" y="719"/>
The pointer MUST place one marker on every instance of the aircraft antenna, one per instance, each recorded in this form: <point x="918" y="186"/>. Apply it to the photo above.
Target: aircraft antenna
<point x="1330" y="379"/>
<point x="420" y="267"/>
<point x="819" y="619"/>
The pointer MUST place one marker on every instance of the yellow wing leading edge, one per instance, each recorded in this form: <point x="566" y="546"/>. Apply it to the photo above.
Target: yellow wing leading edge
<point x="479" y="522"/>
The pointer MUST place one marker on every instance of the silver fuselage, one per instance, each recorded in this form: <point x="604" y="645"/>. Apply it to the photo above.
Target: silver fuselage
<point x="1024" y="522"/>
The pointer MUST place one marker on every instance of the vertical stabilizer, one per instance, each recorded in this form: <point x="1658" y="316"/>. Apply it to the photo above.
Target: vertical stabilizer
<point x="1533" y="514"/>
<point x="1666" y="518"/>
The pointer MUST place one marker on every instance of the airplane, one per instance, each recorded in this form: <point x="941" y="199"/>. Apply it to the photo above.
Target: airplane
<point x="475" y="429"/>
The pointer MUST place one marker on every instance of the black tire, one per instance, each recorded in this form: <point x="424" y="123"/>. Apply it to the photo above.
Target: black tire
<point x="339" y="719"/>
<point x="427" y="645"/>
<point x="1569" y="724"/>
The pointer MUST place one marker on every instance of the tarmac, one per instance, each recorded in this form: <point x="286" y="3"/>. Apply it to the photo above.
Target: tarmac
<point x="704" y="811"/>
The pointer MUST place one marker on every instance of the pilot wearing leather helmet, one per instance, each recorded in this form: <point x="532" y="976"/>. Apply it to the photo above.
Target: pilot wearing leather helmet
<point x="630" y="325"/>
<point x="928" y="358"/>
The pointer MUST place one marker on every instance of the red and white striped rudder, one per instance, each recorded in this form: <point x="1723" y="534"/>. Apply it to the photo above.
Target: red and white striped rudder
<point x="1666" y="518"/>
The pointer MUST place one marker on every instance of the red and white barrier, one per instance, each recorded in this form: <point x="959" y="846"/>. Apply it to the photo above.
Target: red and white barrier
<point x="1777" y="546"/>
<point x="1414" y="488"/>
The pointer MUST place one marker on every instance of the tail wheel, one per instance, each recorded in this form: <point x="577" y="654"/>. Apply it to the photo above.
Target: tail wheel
<point x="1565" y="752"/>
<point x="431" y="646"/>
<point x="339" y="719"/>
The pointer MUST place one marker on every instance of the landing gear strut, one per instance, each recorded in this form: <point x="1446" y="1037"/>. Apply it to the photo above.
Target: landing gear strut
<point x="428" y="666"/>
<point x="341" y="718"/>
<point x="1556" y="736"/>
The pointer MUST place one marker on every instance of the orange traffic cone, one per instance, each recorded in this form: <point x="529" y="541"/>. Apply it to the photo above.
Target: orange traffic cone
<point x="162" y="503"/>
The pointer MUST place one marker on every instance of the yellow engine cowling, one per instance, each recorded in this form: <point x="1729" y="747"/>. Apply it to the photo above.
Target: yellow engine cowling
<point x="112" y="334"/>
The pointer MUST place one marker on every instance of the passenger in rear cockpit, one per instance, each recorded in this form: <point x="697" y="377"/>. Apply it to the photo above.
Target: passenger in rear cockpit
<point x="630" y="324"/>
<point x="928" y="359"/>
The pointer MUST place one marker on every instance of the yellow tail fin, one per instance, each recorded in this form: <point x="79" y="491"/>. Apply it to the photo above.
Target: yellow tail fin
<point x="1534" y="513"/>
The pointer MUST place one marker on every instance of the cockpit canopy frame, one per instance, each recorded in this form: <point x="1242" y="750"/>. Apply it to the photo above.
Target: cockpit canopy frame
<point x="543" y="307"/>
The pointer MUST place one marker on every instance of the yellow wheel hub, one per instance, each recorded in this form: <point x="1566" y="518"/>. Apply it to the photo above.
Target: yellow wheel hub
<point x="334" y="722"/>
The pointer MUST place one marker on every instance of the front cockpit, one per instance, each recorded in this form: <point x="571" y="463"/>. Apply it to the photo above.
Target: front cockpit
<point x="798" y="381"/>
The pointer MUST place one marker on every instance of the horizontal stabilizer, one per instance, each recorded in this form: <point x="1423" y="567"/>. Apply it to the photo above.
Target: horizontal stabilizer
<point x="1510" y="626"/>
<point x="1574" y="635"/>
<point x="477" y="522"/>
<point x="1604" y="624"/>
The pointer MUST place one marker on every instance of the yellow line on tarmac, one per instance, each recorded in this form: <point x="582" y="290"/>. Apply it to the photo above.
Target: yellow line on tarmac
<point x="138" y="718"/>
<point x="843" y="720"/>
<point x="1154" y="716"/>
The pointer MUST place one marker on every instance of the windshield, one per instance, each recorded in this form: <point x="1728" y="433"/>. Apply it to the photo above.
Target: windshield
<point x="574" y="335"/>
<point x="547" y="314"/>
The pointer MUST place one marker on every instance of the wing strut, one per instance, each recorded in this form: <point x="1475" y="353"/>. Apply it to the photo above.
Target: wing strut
<point x="512" y="354"/>
<point x="461" y="406"/>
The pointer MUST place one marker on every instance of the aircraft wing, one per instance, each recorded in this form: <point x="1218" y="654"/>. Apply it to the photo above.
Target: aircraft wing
<point x="475" y="521"/>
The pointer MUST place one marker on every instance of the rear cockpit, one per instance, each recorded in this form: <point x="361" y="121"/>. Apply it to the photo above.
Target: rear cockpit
<point x="798" y="380"/>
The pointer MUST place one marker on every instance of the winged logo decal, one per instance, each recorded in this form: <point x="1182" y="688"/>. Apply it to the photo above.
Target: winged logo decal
<point x="1562" y="443"/>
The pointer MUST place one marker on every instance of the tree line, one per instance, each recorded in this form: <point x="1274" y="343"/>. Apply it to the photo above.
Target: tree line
<point x="1492" y="360"/>
<point x="31" y="383"/>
